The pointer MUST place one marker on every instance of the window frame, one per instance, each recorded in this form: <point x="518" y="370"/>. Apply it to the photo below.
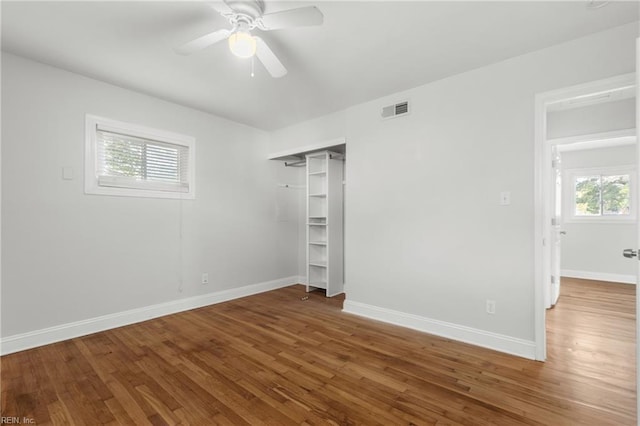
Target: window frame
<point x="91" y="179"/>
<point x="570" y="176"/>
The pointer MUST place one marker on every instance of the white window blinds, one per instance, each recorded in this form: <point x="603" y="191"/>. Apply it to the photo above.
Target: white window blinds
<point x="127" y="161"/>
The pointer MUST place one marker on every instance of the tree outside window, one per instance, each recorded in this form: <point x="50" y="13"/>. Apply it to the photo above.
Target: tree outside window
<point x="602" y="195"/>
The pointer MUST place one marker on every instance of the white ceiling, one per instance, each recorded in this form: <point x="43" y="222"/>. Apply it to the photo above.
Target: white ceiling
<point x="363" y="51"/>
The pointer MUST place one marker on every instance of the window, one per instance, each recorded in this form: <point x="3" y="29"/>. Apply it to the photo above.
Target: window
<point x="131" y="160"/>
<point x="602" y="194"/>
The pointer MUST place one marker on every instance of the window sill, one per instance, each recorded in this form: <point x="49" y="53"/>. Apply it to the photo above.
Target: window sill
<point x="139" y="193"/>
<point x="600" y="220"/>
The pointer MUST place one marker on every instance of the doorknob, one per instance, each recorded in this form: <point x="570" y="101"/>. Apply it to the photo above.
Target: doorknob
<point x="629" y="253"/>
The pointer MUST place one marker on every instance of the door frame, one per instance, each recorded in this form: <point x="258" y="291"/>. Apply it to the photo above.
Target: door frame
<point x="542" y="197"/>
<point x="637" y="232"/>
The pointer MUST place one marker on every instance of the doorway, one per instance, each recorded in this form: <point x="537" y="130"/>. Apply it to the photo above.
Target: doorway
<point x="595" y="208"/>
<point x="319" y="172"/>
<point x="551" y="179"/>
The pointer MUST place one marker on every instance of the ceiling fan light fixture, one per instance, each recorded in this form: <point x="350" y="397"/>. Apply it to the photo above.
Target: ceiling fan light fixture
<point x="247" y="15"/>
<point x="242" y="44"/>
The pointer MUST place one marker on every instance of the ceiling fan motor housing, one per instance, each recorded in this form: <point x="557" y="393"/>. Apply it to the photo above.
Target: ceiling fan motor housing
<point x="245" y="12"/>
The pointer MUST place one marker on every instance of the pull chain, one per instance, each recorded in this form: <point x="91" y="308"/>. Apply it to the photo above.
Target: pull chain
<point x="252" y="73"/>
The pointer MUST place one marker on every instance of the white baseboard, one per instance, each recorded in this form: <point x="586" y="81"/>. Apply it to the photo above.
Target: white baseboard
<point x="599" y="276"/>
<point x="474" y="336"/>
<point x="32" y="339"/>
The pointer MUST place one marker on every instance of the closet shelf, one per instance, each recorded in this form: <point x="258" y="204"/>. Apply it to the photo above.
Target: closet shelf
<point x="324" y="196"/>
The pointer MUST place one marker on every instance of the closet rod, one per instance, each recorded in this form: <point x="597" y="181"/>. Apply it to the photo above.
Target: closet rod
<point x="298" y="163"/>
<point x="288" y="185"/>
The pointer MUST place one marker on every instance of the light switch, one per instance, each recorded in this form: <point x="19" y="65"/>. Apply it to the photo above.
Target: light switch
<point x="505" y="198"/>
<point x="67" y="173"/>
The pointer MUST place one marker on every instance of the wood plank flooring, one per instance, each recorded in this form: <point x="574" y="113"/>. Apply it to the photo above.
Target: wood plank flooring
<point x="276" y="359"/>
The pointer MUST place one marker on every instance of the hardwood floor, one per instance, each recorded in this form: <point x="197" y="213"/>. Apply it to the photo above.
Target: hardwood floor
<point x="276" y="359"/>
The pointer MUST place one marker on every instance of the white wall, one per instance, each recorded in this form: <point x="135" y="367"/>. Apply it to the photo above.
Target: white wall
<point x="598" y="118"/>
<point x="68" y="256"/>
<point x="595" y="249"/>
<point x="426" y="241"/>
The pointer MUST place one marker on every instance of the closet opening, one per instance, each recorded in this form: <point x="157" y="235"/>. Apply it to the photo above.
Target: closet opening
<point x="317" y="173"/>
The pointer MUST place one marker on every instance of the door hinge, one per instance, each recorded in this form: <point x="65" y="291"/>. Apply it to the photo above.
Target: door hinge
<point x="553" y="279"/>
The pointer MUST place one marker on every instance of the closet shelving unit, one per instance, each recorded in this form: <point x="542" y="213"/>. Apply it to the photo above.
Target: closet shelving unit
<point x="324" y="222"/>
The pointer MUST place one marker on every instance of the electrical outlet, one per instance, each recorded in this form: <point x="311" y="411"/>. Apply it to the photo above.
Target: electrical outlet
<point x="205" y="278"/>
<point x="491" y="307"/>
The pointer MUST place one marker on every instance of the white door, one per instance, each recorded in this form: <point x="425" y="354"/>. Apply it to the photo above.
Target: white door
<point x="556" y="226"/>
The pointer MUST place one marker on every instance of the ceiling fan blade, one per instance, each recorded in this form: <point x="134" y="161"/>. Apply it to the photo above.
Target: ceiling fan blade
<point x="202" y="42"/>
<point x="221" y="7"/>
<point x="269" y="59"/>
<point x="302" y="17"/>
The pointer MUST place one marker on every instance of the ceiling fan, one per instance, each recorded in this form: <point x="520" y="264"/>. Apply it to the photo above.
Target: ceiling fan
<point x="246" y="15"/>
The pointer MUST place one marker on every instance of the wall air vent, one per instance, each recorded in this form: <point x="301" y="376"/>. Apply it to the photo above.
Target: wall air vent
<point x="392" y="111"/>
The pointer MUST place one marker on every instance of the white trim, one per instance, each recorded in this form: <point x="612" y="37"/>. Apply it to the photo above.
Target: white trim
<point x="541" y="249"/>
<point x="637" y="233"/>
<point x="32" y="339"/>
<point x="599" y="276"/>
<point x="542" y="198"/>
<point x="595" y="140"/>
<point x="91" y="183"/>
<point x="591" y="88"/>
<point x="474" y="336"/>
<point x="302" y="150"/>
